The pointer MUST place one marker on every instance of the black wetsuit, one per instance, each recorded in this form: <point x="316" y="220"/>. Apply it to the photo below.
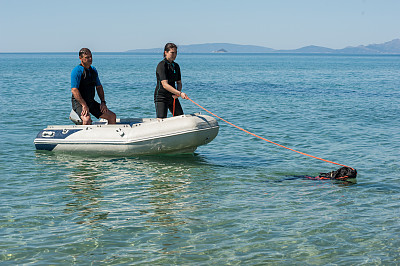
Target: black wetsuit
<point x="86" y="80"/>
<point x="163" y="98"/>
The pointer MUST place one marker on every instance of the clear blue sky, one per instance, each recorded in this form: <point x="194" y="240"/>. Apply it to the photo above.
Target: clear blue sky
<point x="120" y="25"/>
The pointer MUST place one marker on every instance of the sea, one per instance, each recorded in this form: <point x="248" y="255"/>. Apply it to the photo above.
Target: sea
<point x="238" y="200"/>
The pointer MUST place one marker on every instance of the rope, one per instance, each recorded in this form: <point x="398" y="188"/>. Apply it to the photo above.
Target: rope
<point x="173" y="108"/>
<point x="248" y="132"/>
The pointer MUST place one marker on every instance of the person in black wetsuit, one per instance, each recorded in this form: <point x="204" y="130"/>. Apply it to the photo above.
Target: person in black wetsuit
<point x="169" y="84"/>
<point x="84" y="84"/>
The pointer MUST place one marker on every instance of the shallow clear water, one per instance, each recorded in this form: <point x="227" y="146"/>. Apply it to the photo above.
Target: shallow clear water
<point x="235" y="200"/>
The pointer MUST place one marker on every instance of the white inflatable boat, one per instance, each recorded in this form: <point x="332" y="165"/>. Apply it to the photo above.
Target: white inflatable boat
<point x="132" y="136"/>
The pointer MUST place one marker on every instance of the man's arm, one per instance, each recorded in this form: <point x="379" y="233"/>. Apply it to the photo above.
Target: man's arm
<point x="177" y="92"/>
<point x="179" y="85"/>
<point x="170" y="88"/>
<point x="100" y="92"/>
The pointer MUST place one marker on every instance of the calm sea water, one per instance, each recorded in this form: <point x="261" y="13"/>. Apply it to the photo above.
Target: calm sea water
<point x="234" y="202"/>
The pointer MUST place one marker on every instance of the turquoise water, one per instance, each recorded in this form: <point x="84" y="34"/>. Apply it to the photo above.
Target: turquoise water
<point x="234" y="202"/>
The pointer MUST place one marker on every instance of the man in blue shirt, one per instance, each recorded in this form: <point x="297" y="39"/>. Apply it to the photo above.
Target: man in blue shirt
<point x="84" y="81"/>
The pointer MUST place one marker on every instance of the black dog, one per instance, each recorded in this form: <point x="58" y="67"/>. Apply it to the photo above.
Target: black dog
<point x="340" y="174"/>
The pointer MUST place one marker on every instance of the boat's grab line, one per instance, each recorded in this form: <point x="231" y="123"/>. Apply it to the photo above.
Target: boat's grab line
<point x="248" y="132"/>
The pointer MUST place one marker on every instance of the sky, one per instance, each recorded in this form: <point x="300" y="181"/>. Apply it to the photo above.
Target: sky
<point x="121" y="25"/>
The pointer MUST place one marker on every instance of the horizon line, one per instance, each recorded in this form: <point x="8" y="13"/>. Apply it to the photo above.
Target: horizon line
<point x="272" y="50"/>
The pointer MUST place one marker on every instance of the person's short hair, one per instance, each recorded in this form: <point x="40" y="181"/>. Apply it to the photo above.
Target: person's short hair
<point x="84" y="51"/>
<point x="169" y="46"/>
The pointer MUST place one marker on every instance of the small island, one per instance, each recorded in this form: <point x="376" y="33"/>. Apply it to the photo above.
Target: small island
<point x="222" y="50"/>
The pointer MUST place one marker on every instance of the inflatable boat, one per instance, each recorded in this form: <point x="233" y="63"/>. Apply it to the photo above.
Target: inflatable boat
<point x="131" y="136"/>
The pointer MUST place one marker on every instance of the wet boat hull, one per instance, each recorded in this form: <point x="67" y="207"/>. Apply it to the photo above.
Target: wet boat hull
<point x="182" y="134"/>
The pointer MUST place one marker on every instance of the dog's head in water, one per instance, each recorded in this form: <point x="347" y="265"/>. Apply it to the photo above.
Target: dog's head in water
<point x="342" y="173"/>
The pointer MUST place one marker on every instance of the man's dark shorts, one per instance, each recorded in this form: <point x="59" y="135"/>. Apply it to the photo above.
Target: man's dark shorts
<point x="162" y="108"/>
<point x="94" y="108"/>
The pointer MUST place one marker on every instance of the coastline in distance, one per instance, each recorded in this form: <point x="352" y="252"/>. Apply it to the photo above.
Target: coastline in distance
<point x="390" y="47"/>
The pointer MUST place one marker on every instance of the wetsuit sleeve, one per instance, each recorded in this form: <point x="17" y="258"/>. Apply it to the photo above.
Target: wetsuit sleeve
<point x="76" y="77"/>
<point x="98" y="83"/>
<point x="161" y="71"/>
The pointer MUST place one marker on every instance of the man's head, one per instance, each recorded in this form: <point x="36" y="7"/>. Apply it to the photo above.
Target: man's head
<point x="170" y="51"/>
<point x="85" y="55"/>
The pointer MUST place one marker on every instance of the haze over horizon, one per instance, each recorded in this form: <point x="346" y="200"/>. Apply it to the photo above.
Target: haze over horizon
<point x="55" y="26"/>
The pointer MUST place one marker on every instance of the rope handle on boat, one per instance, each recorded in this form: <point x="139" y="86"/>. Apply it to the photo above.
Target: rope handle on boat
<point x="248" y="132"/>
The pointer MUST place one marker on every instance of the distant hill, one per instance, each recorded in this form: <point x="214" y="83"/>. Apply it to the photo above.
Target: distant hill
<point x="391" y="47"/>
<point x="210" y="48"/>
<point x="309" y="49"/>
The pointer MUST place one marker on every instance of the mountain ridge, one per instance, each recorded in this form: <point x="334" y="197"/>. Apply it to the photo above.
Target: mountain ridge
<point x="390" y="47"/>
